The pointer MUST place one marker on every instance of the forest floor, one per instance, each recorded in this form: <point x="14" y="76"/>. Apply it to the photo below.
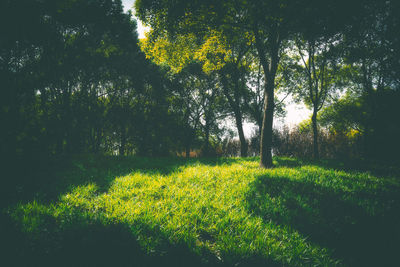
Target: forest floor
<point x="131" y="211"/>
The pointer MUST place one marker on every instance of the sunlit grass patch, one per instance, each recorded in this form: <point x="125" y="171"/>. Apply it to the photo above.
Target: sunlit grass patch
<point x="228" y="212"/>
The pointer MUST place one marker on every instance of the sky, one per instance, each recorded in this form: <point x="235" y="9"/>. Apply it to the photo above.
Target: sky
<point x="128" y="5"/>
<point x="295" y="113"/>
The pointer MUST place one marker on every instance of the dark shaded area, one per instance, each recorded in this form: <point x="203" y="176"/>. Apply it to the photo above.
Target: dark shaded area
<point x="92" y="243"/>
<point x="83" y="242"/>
<point x="89" y="242"/>
<point x="215" y="161"/>
<point x="378" y="168"/>
<point x="333" y="218"/>
<point x="288" y="162"/>
<point x="46" y="178"/>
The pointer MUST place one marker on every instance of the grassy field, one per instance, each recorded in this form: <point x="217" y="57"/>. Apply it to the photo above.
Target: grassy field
<point x="109" y="211"/>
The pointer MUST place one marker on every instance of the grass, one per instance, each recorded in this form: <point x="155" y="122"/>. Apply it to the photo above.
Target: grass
<point x="108" y="211"/>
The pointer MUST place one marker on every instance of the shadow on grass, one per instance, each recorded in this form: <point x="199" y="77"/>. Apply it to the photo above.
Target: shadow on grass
<point x="102" y="170"/>
<point x="97" y="244"/>
<point x="45" y="180"/>
<point x="287" y="162"/>
<point x="76" y="240"/>
<point x="93" y="243"/>
<point x="377" y="168"/>
<point x="217" y="161"/>
<point x="333" y="218"/>
<point x="54" y="177"/>
<point x="79" y="240"/>
<point x="86" y="243"/>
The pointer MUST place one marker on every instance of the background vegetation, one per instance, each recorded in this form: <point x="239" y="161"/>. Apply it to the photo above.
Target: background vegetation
<point x="74" y="78"/>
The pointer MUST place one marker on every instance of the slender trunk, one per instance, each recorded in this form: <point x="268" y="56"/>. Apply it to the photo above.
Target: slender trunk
<point x="238" y="114"/>
<point x="207" y="140"/>
<point x="68" y="120"/>
<point x="97" y="141"/>
<point x="123" y="142"/>
<point x="187" y="139"/>
<point x="259" y="112"/>
<point x="234" y="104"/>
<point x="187" y="153"/>
<point x="266" y="132"/>
<point x="315" y="133"/>
<point x="243" y="143"/>
<point x="371" y="111"/>
<point x="206" y="145"/>
<point x="366" y="142"/>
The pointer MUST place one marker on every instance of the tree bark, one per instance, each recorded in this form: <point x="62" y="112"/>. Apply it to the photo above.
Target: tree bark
<point x="369" y="97"/>
<point x="243" y="143"/>
<point x="269" y="67"/>
<point x="315" y="133"/>
<point x="187" y="152"/>
<point x="123" y="142"/>
<point x="207" y="141"/>
<point x="266" y="131"/>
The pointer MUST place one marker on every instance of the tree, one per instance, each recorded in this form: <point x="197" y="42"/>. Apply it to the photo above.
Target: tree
<point x="217" y="56"/>
<point x="200" y="102"/>
<point x="228" y="56"/>
<point x="318" y="71"/>
<point x="371" y="50"/>
<point x="73" y="76"/>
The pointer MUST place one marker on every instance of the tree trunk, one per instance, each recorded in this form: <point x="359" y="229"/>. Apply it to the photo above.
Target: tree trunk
<point x="370" y="112"/>
<point x="315" y="134"/>
<point x="269" y="67"/>
<point x="187" y="153"/>
<point x="266" y="131"/>
<point x="123" y="142"/>
<point x="206" y="150"/>
<point x="207" y="143"/>
<point x="235" y="106"/>
<point x="243" y="143"/>
<point x="68" y="120"/>
<point x="97" y="135"/>
<point x="269" y="105"/>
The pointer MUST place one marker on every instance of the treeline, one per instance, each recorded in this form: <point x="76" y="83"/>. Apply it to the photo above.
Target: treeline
<point x="76" y="79"/>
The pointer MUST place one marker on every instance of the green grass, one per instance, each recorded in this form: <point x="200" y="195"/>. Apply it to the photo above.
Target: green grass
<point x="108" y="211"/>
